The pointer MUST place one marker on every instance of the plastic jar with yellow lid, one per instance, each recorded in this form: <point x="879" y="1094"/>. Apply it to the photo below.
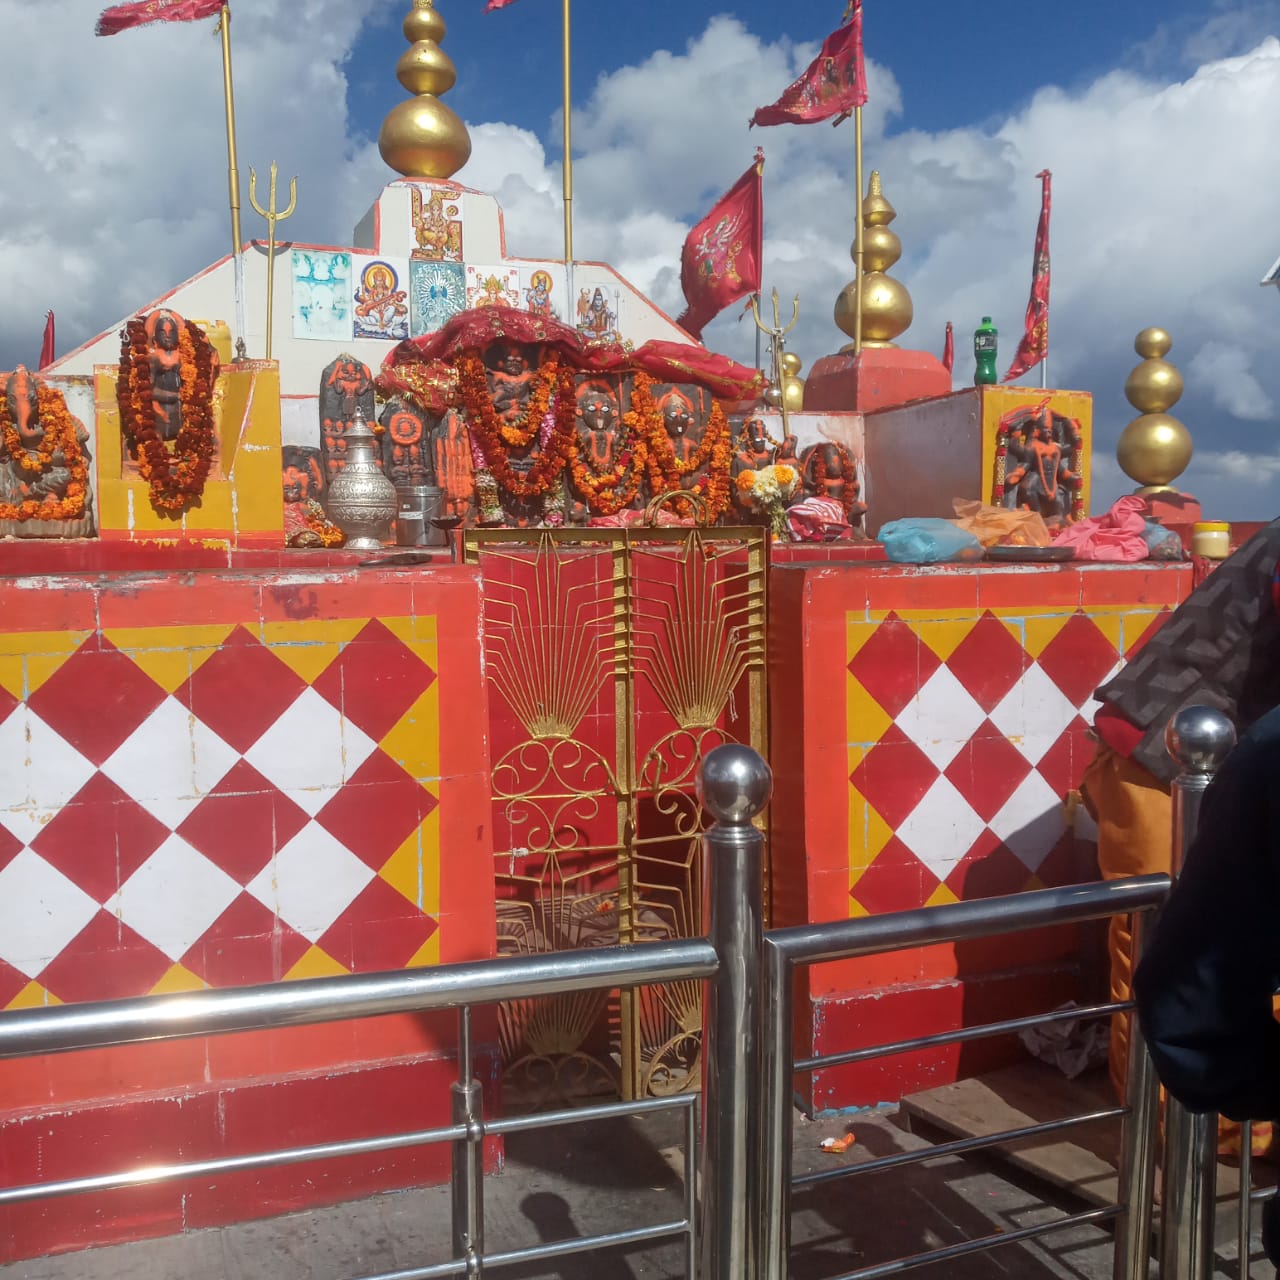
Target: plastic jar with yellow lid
<point x="1211" y="539"/>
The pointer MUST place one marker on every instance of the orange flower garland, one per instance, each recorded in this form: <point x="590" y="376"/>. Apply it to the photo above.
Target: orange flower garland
<point x="174" y="488"/>
<point x="491" y="437"/>
<point x="616" y="489"/>
<point x="848" y="473"/>
<point x="473" y="383"/>
<point x="316" y="520"/>
<point x="60" y="437"/>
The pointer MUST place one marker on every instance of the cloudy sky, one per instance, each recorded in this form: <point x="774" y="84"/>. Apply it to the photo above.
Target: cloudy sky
<point x="1157" y="120"/>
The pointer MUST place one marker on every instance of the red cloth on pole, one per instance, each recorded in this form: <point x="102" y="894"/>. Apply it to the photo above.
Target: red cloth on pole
<point x="496" y="4"/>
<point x="949" y="349"/>
<point x="720" y="261"/>
<point x="46" y="345"/>
<point x="120" y="17"/>
<point x="1035" y="341"/>
<point x="834" y="84"/>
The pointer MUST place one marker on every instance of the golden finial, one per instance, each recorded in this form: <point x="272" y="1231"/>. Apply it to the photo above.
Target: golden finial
<point x="421" y="137"/>
<point x="1155" y="448"/>
<point x="886" y="304"/>
<point x="792" y="382"/>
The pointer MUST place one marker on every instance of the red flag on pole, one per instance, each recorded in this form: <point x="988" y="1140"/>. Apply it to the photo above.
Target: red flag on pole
<point x="496" y="4"/>
<point x="1034" y="346"/>
<point x="46" y="344"/>
<point x="720" y="262"/>
<point x="949" y="349"/>
<point x="120" y="17"/>
<point x="834" y="84"/>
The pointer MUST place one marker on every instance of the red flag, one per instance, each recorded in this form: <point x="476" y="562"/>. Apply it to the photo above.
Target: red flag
<point x="120" y="17"/>
<point x="496" y="4"/>
<point x="720" y="262"/>
<point x="1035" y="341"/>
<point x="834" y="84"/>
<point x="46" y="345"/>
<point x="949" y="349"/>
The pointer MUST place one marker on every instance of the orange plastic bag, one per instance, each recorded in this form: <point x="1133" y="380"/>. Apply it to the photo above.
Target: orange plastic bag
<point x="1009" y="527"/>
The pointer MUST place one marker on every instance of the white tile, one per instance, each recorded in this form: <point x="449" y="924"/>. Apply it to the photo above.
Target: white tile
<point x="311" y="881"/>
<point x="40" y="912"/>
<point x="1031" y="821"/>
<point x="39" y="772"/>
<point x="170" y="762"/>
<point x="310" y="751"/>
<point x="941" y="718"/>
<point x="174" y="897"/>
<point x="1033" y="714"/>
<point x="941" y="829"/>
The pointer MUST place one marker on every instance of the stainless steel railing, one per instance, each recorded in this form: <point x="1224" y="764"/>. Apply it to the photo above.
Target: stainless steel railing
<point x="787" y="950"/>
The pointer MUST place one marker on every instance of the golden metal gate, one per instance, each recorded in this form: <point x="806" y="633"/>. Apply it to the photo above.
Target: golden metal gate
<point x="615" y="659"/>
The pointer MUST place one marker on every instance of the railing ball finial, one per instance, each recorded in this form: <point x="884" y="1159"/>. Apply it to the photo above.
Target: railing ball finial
<point x="734" y="783"/>
<point x="1199" y="739"/>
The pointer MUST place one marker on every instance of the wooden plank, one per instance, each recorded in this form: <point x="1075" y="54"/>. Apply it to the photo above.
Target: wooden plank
<point x="1081" y="1161"/>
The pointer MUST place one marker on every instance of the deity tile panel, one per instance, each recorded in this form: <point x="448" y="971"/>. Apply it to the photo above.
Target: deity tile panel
<point x="437" y="292"/>
<point x="543" y="290"/>
<point x="437" y="226"/>
<point x="380" y="298"/>
<point x="597" y="313"/>
<point x="321" y="294"/>
<point x="493" y="286"/>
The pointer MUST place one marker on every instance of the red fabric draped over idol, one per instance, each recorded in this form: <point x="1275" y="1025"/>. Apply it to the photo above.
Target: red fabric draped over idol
<point x="121" y="17"/>
<point x="1035" y="340"/>
<point x="720" y="262"/>
<point x="403" y="369"/>
<point x="835" y="82"/>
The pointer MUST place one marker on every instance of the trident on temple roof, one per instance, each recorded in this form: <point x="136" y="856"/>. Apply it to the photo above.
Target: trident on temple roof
<point x="777" y="333"/>
<point x="272" y="215"/>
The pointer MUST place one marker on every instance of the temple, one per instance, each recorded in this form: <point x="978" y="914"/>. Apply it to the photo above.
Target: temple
<point x="389" y="630"/>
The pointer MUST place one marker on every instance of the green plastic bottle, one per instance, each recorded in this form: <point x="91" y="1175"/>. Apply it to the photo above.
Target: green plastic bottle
<point x="985" y="340"/>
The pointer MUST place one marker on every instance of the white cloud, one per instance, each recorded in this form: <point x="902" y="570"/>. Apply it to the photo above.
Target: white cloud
<point x="1164" y="211"/>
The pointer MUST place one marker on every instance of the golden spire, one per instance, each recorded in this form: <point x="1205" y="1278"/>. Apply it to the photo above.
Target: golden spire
<point x="421" y="137"/>
<point x="886" y="304"/>
<point x="1155" y="448"/>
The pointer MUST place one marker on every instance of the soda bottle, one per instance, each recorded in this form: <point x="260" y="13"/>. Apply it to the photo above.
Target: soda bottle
<point x="985" y="339"/>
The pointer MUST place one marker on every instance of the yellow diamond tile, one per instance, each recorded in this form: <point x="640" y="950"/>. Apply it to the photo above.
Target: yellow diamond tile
<point x="169" y="655"/>
<point x="29" y="658"/>
<point x="1034" y="883"/>
<point x="310" y="645"/>
<point x="413" y="742"/>
<point x="420" y="634"/>
<point x="1134" y="624"/>
<point x="865" y="719"/>
<point x="427" y="954"/>
<point x="941" y="896"/>
<point x="315" y="963"/>
<point x="857" y="910"/>
<point x="32" y="996"/>
<point x="859" y="631"/>
<point x="944" y="636"/>
<point x="1112" y="625"/>
<point x="178" y="978"/>
<point x="414" y="869"/>
<point x="1034" y="631"/>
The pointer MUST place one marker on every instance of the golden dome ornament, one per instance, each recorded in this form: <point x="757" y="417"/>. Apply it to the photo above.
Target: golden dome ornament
<point x="421" y="137"/>
<point x="887" y="311"/>
<point x="792" y="382"/>
<point x="1155" y="448"/>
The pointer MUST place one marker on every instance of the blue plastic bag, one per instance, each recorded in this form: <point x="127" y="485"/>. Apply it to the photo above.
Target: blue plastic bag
<point x="929" y="541"/>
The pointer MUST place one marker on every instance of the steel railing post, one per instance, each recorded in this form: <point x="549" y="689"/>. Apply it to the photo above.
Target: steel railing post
<point x="466" y="1179"/>
<point x="734" y="785"/>
<point x="777" y="1069"/>
<point x="1199" y="739"/>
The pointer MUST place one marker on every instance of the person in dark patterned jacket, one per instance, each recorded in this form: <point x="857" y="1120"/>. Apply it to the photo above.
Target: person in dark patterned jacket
<point x="1219" y="648"/>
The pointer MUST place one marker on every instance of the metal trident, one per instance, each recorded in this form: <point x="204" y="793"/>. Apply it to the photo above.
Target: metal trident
<point x="777" y="333"/>
<point x="272" y="215"/>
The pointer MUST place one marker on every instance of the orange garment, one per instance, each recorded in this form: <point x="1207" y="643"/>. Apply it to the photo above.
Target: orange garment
<point x="1134" y="814"/>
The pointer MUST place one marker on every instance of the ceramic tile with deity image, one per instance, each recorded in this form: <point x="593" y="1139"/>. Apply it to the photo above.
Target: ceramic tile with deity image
<point x="321" y="294"/>
<point x="380" y="298"/>
<point x="495" y="286"/>
<point x="437" y="292"/>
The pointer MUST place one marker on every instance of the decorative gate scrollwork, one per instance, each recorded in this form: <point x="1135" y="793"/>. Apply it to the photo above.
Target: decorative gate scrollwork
<point x="616" y="658"/>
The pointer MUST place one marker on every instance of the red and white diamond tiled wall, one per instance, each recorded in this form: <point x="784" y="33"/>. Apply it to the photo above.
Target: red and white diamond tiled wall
<point x="940" y="770"/>
<point x="219" y="780"/>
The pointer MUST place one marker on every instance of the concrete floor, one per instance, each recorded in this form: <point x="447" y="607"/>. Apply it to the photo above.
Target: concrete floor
<point x="611" y="1175"/>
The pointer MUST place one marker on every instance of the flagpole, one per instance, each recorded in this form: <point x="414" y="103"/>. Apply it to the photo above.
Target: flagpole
<point x="233" y="178"/>
<point x="568" y="154"/>
<point x="857" y="244"/>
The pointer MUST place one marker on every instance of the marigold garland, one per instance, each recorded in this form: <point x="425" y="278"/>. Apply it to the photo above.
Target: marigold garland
<point x="473" y="383"/>
<point x="554" y="430"/>
<point x="177" y="478"/>
<point x="314" y="518"/>
<point x="60" y="437"/>
<point x="848" y="473"/>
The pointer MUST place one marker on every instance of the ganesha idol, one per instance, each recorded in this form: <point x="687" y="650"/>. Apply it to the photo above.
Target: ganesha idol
<point x="44" y="462"/>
